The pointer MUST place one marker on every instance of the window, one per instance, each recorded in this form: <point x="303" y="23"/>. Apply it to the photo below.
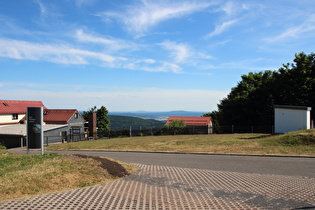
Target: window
<point x="76" y="130"/>
<point x="15" y="116"/>
<point x="76" y="115"/>
<point x="5" y="104"/>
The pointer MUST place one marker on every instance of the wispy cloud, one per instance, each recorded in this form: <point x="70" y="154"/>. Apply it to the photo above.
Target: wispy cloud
<point x="83" y="2"/>
<point x="232" y="8"/>
<point x="183" y="53"/>
<point x="42" y="8"/>
<point x="219" y="29"/>
<point x="140" y="17"/>
<point x="151" y="65"/>
<point x="295" y="32"/>
<point x="23" y="50"/>
<point x="110" y="42"/>
<point x="180" y="52"/>
<point x="62" y="54"/>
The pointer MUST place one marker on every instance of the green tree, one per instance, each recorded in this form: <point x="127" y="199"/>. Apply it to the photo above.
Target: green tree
<point x="102" y="119"/>
<point x="175" y="127"/>
<point x="215" y="121"/>
<point x="85" y="114"/>
<point x="251" y="101"/>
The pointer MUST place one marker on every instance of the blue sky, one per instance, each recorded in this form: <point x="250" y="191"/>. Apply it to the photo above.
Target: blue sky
<point x="157" y="55"/>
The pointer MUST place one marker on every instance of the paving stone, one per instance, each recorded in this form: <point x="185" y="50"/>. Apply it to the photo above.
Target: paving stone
<point x="161" y="187"/>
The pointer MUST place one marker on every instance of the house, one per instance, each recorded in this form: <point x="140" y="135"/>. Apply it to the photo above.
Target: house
<point x="291" y="118"/>
<point x="59" y="124"/>
<point x="195" y="125"/>
<point x="71" y="118"/>
<point x="12" y="111"/>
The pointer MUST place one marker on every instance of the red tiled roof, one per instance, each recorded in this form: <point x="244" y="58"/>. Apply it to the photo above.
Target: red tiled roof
<point x="17" y="107"/>
<point x="192" y="120"/>
<point x="59" y="115"/>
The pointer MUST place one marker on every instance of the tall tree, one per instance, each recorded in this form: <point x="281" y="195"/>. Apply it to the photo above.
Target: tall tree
<point x="102" y="119"/>
<point x="251" y="101"/>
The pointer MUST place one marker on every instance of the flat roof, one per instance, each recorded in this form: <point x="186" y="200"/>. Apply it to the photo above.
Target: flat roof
<point x="306" y="108"/>
<point x="20" y="129"/>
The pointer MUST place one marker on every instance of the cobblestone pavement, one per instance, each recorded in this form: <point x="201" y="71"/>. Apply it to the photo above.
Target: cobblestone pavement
<point x="161" y="187"/>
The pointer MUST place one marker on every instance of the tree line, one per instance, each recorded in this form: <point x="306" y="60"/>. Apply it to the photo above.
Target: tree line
<point x="251" y="101"/>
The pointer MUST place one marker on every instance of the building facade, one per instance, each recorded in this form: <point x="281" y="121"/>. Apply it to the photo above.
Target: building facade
<point x="291" y="118"/>
<point x="59" y="124"/>
<point x="195" y="125"/>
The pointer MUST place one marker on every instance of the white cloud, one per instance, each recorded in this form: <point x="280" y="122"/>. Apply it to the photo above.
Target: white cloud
<point x="184" y="54"/>
<point x="43" y="10"/>
<point x="140" y="17"/>
<point x="23" y="50"/>
<point x="83" y="2"/>
<point x="232" y="8"/>
<point x="180" y="52"/>
<point x="151" y="65"/>
<point x="112" y="43"/>
<point x="296" y="31"/>
<point x="148" y="99"/>
<point x="222" y="27"/>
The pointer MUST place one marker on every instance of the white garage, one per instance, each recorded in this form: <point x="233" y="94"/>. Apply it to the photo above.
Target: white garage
<point x="291" y="118"/>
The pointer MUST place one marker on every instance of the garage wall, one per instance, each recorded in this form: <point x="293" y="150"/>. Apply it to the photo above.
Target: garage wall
<point x="287" y="120"/>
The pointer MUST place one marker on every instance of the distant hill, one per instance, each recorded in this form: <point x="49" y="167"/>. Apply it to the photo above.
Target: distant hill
<point x="161" y="116"/>
<point x="120" y="122"/>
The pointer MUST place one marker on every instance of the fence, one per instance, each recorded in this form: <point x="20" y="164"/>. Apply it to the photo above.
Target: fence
<point x="68" y="138"/>
<point x="226" y="129"/>
<point x="128" y="132"/>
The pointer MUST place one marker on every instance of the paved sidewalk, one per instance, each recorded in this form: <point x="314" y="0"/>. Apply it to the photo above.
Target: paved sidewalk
<point x="161" y="187"/>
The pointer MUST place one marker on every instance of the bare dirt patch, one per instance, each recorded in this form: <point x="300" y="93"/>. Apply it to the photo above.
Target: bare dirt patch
<point x="113" y="168"/>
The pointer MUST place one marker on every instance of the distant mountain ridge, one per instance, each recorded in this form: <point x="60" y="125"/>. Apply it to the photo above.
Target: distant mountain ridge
<point x="161" y="116"/>
<point x="125" y="122"/>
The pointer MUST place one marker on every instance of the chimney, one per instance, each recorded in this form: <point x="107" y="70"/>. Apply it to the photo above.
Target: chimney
<point x="92" y="125"/>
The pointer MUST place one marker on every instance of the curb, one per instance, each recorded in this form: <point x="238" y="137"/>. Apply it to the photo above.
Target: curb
<point x="184" y="153"/>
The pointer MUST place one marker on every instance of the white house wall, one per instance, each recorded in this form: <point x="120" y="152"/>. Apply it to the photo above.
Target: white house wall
<point x="7" y="118"/>
<point x="287" y="120"/>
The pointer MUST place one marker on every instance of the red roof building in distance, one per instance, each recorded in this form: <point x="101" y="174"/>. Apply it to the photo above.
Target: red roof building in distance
<point x="60" y="116"/>
<point x="18" y="107"/>
<point x="12" y="111"/>
<point x="196" y="125"/>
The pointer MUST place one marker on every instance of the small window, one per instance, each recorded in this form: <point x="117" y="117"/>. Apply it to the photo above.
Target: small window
<point x="15" y="116"/>
<point x="5" y="104"/>
<point x="76" y="115"/>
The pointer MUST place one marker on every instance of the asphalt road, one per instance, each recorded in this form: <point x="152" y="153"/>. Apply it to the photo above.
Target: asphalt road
<point x="288" y="166"/>
<point x="189" y="181"/>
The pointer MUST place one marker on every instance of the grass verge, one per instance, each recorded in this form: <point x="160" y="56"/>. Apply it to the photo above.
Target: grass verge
<point x="22" y="175"/>
<point x="295" y="143"/>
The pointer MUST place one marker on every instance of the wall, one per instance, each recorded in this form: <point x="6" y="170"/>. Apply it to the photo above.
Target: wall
<point x="55" y="135"/>
<point x="11" y="141"/>
<point x="7" y="118"/>
<point x="76" y="123"/>
<point x="287" y="120"/>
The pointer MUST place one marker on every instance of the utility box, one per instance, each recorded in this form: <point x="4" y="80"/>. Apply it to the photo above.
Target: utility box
<point x="291" y="118"/>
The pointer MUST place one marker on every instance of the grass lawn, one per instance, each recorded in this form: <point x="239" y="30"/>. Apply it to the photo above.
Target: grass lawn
<point x="22" y="175"/>
<point x="295" y="143"/>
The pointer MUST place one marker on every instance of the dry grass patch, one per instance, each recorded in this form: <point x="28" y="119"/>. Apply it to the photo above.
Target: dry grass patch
<point x="22" y="175"/>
